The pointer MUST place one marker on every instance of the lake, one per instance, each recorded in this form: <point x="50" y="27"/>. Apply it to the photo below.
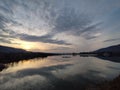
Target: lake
<point x="57" y="73"/>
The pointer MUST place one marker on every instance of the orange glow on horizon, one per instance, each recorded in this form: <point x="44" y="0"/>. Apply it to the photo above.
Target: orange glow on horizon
<point x="33" y="46"/>
<point x="30" y="46"/>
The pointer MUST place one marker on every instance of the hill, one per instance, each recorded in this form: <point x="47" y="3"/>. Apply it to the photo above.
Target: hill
<point x="115" y="48"/>
<point x="5" y="49"/>
<point x="9" y="54"/>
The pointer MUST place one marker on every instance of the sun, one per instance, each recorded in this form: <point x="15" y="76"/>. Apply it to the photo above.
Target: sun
<point x="30" y="46"/>
<point x="27" y="47"/>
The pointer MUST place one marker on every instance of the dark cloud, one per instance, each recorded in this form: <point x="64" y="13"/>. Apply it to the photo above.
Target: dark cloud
<point x="4" y="33"/>
<point x="88" y="37"/>
<point x="74" y="23"/>
<point x="70" y="20"/>
<point x="6" y="36"/>
<point x="3" y="21"/>
<point x="6" y="9"/>
<point x="45" y="39"/>
<point x="111" y="40"/>
<point x="8" y="33"/>
<point x="90" y="28"/>
<point x="5" y="41"/>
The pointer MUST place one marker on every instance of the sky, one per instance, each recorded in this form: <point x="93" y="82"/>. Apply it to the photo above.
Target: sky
<point x="59" y="25"/>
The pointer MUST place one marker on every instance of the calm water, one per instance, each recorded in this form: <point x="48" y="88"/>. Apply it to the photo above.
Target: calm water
<point x="57" y="73"/>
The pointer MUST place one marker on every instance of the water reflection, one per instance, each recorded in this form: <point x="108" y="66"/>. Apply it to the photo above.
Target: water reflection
<point x="35" y="63"/>
<point x="113" y="59"/>
<point x="56" y="73"/>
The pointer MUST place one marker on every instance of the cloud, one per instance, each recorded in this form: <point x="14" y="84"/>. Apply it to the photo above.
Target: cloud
<point x="4" y="33"/>
<point x="44" y="39"/>
<point x="45" y="71"/>
<point x="5" y="7"/>
<point x="40" y="75"/>
<point x="5" y="41"/>
<point x="90" y="28"/>
<point x="88" y="37"/>
<point x="91" y="35"/>
<point x="112" y="40"/>
<point x="31" y="78"/>
<point x="45" y="21"/>
<point x="3" y="21"/>
<point x="70" y="20"/>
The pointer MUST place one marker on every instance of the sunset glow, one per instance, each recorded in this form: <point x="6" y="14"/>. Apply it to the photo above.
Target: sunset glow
<point x="59" y="25"/>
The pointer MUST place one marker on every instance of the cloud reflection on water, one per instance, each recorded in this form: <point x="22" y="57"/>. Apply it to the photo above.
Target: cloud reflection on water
<point x="54" y="72"/>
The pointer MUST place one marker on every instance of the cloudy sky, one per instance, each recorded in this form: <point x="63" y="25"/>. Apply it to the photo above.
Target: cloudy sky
<point x="59" y="25"/>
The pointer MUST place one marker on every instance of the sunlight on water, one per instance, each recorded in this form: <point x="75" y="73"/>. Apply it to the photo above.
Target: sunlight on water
<point x="73" y="66"/>
<point x="35" y="63"/>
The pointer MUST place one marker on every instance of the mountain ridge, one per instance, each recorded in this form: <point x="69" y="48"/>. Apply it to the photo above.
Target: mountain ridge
<point x="114" y="48"/>
<point x="7" y="49"/>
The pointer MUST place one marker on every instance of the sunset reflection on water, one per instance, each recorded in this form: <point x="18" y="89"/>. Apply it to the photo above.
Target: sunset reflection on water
<point x="55" y="70"/>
